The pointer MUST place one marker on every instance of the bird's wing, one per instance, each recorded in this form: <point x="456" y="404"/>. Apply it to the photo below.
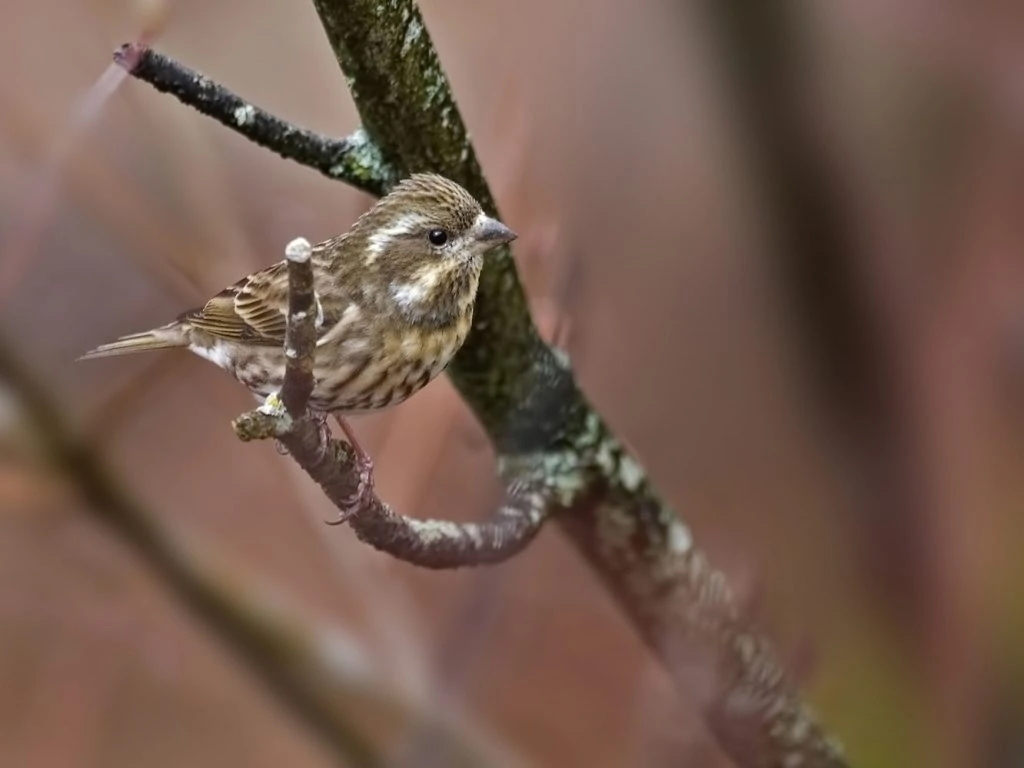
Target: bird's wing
<point x="253" y="310"/>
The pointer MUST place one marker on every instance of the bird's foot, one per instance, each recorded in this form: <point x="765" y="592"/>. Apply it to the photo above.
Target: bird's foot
<point x="325" y="431"/>
<point x="320" y="419"/>
<point x="363" y="494"/>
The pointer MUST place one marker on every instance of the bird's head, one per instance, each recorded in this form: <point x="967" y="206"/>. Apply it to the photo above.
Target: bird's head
<point x="425" y="241"/>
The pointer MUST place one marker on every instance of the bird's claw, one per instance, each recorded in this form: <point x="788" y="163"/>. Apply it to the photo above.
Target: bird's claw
<point x="325" y="432"/>
<point x="363" y="494"/>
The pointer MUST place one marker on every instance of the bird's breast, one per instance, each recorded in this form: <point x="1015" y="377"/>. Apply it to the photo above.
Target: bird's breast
<point x="385" y="369"/>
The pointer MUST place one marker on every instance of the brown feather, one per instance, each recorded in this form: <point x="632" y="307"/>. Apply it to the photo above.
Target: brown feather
<point x="159" y="338"/>
<point x="394" y="303"/>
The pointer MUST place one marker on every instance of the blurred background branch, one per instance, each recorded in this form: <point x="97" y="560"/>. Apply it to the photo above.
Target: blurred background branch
<point x="313" y="669"/>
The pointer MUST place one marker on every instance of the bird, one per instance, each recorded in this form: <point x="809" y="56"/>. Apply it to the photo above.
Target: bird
<point x="394" y="298"/>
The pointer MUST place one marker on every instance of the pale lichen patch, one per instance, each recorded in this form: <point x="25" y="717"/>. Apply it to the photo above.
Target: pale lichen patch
<point x="412" y="34"/>
<point x="605" y="456"/>
<point x="244" y="115"/>
<point x="433" y="532"/>
<point x="630" y="473"/>
<point x="561" y="357"/>
<point x="680" y="540"/>
<point x="273" y="405"/>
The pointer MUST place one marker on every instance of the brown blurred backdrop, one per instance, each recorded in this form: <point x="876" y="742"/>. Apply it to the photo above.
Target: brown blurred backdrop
<point x="838" y="413"/>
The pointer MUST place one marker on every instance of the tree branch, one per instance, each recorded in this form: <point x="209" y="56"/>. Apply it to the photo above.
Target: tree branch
<point x="354" y="160"/>
<point x="331" y="463"/>
<point x="525" y="396"/>
<point x="300" y="331"/>
<point x="552" y="446"/>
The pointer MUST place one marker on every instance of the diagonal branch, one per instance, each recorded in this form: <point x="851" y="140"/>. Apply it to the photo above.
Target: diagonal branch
<point x="354" y="159"/>
<point x="331" y="463"/>
<point x="556" y="452"/>
<point x="526" y="398"/>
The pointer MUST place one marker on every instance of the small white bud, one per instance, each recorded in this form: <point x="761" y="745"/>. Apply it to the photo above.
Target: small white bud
<point x="298" y="250"/>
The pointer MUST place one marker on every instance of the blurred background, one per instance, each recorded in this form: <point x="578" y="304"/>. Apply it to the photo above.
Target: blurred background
<point x="782" y="243"/>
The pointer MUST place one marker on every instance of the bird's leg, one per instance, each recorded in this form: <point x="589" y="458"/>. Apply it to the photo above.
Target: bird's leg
<point x="320" y="417"/>
<point x="364" y="467"/>
<point x="325" y="433"/>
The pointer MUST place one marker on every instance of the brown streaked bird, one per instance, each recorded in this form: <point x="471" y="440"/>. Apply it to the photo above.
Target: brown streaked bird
<point x="394" y="301"/>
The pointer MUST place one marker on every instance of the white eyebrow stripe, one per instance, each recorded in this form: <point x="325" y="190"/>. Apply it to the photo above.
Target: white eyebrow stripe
<point x="382" y="238"/>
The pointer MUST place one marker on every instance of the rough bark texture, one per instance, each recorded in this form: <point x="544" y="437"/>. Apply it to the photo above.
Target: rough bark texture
<point x="555" y="453"/>
<point x="525" y="396"/>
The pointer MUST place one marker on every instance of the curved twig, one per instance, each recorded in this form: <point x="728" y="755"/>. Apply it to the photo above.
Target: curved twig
<point x="331" y="462"/>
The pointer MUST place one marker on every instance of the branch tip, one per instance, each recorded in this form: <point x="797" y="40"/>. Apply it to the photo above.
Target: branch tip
<point x="352" y="159"/>
<point x="298" y="250"/>
<point x="129" y="55"/>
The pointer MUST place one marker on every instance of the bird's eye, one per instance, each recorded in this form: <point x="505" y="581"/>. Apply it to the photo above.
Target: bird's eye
<point x="437" y="237"/>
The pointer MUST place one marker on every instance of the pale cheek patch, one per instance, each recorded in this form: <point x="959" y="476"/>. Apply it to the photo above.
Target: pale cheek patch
<point x="382" y="238"/>
<point x="408" y="295"/>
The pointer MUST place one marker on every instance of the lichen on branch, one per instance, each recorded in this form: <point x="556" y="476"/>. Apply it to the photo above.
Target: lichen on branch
<point x="557" y="456"/>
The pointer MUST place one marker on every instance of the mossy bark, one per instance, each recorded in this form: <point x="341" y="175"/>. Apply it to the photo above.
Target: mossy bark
<point x="525" y="396"/>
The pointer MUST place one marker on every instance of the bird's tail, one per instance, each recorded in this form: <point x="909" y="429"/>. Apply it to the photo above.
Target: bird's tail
<point x="159" y="338"/>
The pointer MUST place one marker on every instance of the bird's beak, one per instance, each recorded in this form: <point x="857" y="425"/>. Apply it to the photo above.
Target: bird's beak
<point x="490" y="230"/>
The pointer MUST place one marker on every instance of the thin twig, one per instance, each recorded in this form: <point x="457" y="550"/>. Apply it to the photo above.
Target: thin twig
<point x="353" y="159"/>
<point x="427" y="543"/>
<point x="300" y="332"/>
